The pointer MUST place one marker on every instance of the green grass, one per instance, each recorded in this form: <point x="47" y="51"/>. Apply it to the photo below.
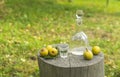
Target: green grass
<point x="28" y="25"/>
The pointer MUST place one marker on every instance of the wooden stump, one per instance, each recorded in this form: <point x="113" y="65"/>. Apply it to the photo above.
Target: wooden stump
<point x="73" y="66"/>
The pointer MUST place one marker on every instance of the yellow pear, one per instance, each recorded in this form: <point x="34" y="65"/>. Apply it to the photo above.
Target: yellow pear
<point x="43" y="52"/>
<point x="88" y="54"/>
<point x="53" y="52"/>
<point x="95" y="50"/>
<point x="49" y="47"/>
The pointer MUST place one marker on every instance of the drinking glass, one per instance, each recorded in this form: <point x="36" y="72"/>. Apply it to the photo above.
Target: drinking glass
<point x="63" y="48"/>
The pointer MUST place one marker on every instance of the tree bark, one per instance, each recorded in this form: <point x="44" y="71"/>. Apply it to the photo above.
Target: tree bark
<point x="72" y="66"/>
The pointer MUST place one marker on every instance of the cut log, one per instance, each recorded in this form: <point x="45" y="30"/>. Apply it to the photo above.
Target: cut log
<point x="72" y="66"/>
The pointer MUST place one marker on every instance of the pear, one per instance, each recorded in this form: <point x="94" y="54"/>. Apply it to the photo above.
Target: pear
<point x="43" y="52"/>
<point x="96" y="50"/>
<point x="88" y="55"/>
<point x="53" y="52"/>
<point x="49" y="47"/>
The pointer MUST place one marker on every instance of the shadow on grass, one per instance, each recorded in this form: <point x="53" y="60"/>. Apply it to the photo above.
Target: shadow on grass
<point x="30" y="10"/>
<point x="34" y="10"/>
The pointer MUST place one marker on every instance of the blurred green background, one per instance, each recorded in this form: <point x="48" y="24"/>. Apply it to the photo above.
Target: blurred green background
<point x="28" y="25"/>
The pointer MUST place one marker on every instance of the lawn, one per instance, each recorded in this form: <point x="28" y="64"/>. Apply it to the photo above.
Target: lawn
<point x="28" y="25"/>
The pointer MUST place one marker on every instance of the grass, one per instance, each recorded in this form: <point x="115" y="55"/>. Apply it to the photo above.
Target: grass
<point x="28" y="25"/>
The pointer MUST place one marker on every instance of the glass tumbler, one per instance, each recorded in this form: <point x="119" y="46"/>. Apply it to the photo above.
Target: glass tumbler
<point x="63" y="48"/>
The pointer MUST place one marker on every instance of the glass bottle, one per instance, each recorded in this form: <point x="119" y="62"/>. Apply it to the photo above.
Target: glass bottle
<point x="79" y="41"/>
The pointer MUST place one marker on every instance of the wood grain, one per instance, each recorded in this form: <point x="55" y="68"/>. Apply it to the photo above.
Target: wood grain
<point x="72" y="66"/>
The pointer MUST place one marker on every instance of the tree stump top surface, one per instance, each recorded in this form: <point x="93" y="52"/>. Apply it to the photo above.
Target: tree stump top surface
<point x="73" y="61"/>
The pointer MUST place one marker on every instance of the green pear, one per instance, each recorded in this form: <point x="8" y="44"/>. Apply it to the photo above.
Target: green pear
<point x="49" y="47"/>
<point x="88" y="55"/>
<point x="95" y="50"/>
<point x="53" y="52"/>
<point x="43" y="52"/>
